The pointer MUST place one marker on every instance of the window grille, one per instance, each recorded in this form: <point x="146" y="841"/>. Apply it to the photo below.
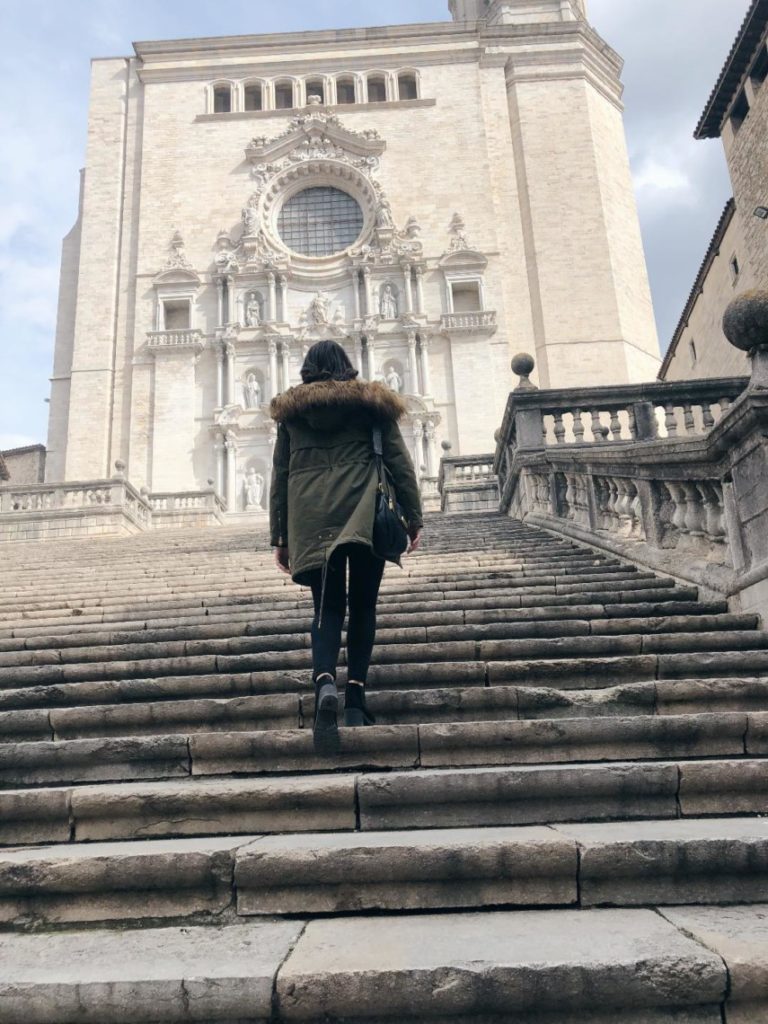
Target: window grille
<point x="320" y="221"/>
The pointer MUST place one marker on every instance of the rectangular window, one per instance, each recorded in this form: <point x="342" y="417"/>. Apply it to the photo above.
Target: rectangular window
<point x="316" y="89"/>
<point x="176" y="315"/>
<point x="345" y="92"/>
<point x="284" y="96"/>
<point x="466" y="296"/>
<point x="739" y="111"/>
<point x="222" y="99"/>
<point x="253" y="97"/>
<point x="377" y="90"/>
<point x="734" y="268"/>
<point x="407" y="87"/>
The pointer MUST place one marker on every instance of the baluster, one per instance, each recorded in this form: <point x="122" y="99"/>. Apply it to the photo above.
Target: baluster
<point x="613" y="506"/>
<point x="706" y="415"/>
<point x="632" y="423"/>
<point x="690" y="422"/>
<point x="725" y="405"/>
<point x="638" y="530"/>
<point x="623" y="508"/>
<point x="559" y="428"/>
<point x="595" y="425"/>
<point x="615" y="425"/>
<point x="680" y="502"/>
<point x="670" y="420"/>
<point x="694" y="513"/>
<point x="712" y="497"/>
<point x="578" y="427"/>
<point x="570" y="497"/>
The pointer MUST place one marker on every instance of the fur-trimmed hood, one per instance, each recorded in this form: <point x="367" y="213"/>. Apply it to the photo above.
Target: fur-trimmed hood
<point x="327" y="404"/>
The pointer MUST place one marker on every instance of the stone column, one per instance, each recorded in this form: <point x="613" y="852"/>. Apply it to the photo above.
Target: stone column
<point x="219" y="376"/>
<point x="418" y="447"/>
<point x="420" y="289"/>
<point x="408" y="288"/>
<point x="220" y="295"/>
<point x="273" y="382"/>
<point x="272" y="297"/>
<point x="432" y="456"/>
<point x="358" y="353"/>
<point x="286" y="364"/>
<point x="356" y="292"/>
<point x="371" y="346"/>
<point x="368" y="295"/>
<point x="284" y="298"/>
<point x="413" y="366"/>
<point x="220" y="448"/>
<point x="229" y="442"/>
<point x="426" y="381"/>
<point x="230" y="351"/>
<point x="230" y="311"/>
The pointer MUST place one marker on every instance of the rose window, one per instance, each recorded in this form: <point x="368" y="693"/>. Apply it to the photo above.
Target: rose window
<point x="320" y="222"/>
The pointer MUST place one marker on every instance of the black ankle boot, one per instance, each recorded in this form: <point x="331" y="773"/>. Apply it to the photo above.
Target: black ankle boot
<point x="325" y="730"/>
<point x="355" y="711"/>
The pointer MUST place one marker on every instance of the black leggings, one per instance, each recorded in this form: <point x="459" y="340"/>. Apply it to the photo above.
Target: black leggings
<point x="365" y="573"/>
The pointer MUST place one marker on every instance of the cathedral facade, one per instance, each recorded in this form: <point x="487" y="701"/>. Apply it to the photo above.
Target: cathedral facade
<point x="434" y="197"/>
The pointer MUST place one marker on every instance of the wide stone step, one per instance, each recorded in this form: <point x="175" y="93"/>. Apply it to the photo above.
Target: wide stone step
<point x="371" y="801"/>
<point x="542" y="741"/>
<point x="618" y="864"/>
<point x="430" y="627"/>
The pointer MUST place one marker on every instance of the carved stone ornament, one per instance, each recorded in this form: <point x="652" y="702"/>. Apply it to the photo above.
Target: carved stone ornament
<point x="457" y="231"/>
<point x="316" y="135"/>
<point x="177" y="259"/>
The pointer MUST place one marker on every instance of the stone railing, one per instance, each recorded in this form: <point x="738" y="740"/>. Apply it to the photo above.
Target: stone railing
<point x="690" y="500"/>
<point x="186" y="508"/>
<point x="164" y="340"/>
<point x="43" y="511"/>
<point x="483" y="320"/>
<point x="467" y="483"/>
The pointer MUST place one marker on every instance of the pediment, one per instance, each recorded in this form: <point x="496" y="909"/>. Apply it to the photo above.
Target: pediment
<point x="464" y="259"/>
<point x="315" y="133"/>
<point x="177" y="276"/>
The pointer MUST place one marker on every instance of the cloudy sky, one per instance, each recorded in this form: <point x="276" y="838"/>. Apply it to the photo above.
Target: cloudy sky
<point x="673" y="49"/>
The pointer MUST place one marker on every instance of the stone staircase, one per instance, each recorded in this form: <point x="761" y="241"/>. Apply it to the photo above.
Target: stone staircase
<point x="557" y="818"/>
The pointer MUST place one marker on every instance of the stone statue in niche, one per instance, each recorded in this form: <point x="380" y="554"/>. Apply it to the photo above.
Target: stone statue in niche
<point x="252" y="391"/>
<point x="253" y="486"/>
<point x="393" y="380"/>
<point x="318" y="309"/>
<point x="384" y="218"/>
<point x="252" y="311"/>
<point x="388" y="303"/>
<point x="250" y="220"/>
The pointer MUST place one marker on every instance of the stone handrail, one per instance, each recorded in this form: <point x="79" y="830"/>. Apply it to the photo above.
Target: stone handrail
<point x="75" y="496"/>
<point x="467" y="483"/>
<point x="161" y="340"/>
<point x="693" y="504"/>
<point x="480" y="320"/>
<point x="465" y="469"/>
<point x="179" y="501"/>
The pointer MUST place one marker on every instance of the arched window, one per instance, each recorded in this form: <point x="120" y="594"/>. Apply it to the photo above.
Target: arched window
<point x="407" y="88"/>
<point x="316" y="87"/>
<point x="377" y="89"/>
<point x="222" y="99"/>
<point x="345" y="90"/>
<point x="284" y="95"/>
<point x="254" y="96"/>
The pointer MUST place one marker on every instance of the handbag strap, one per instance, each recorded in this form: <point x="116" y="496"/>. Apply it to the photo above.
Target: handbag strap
<point x="378" y="451"/>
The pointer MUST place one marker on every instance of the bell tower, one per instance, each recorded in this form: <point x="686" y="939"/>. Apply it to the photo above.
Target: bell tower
<point x="510" y="12"/>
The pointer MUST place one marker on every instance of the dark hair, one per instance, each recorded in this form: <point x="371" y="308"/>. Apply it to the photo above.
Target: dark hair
<point x="327" y="360"/>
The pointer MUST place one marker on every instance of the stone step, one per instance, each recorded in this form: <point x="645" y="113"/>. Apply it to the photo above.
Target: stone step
<point x="275" y="751"/>
<point x="624" y="864"/>
<point x="396" y="707"/>
<point x="427" y="627"/>
<point x="370" y="801"/>
<point x="636" y="966"/>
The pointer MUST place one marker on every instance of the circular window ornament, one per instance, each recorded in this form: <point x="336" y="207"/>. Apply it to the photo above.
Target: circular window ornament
<point x="320" y="221"/>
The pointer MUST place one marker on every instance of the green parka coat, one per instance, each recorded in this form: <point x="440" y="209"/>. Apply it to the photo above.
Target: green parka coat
<point x="324" y="478"/>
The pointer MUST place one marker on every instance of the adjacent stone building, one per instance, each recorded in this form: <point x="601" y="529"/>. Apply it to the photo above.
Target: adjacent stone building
<point x="737" y="258"/>
<point x="436" y="197"/>
<point x="24" y="465"/>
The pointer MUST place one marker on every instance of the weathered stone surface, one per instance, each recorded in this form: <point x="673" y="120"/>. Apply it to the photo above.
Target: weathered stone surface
<point x="213" y="806"/>
<point x="112" y="977"/>
<point x="638" y="863"/>
<point x="740" y="936"/>
<point x="503" y="963"/>
<point x="581" y="739"/>
<point x="34" y="817"/>
<point x="681" y="696"/>
<point x="512" y="796"/>
<point x="724" y="787"/>
<point x="117" y="881"/>
<point x="757" y="734"/>
<point x="574" y="673"/>
<point x="405" y="871"/>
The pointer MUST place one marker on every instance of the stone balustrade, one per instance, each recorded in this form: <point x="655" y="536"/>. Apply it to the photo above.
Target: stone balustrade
<point x="184" y="339"/>
<point x="482" y="320"/>
<point x="467" y="483"/>
<point x="186" y="508"/>
<point x="675" y="476"/>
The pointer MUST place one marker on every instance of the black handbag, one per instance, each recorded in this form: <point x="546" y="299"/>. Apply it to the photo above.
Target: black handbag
<point x="390" y="527"/>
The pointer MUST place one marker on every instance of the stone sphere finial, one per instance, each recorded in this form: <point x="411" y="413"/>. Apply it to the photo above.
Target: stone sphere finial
<point x="446" y="446"/>
<point x="523" y="366"/>
<point x="745" y="323"/>
<point x="119" y="468"/>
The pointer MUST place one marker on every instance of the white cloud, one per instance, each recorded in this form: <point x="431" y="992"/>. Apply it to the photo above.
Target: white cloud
<point x="664" y="180"/>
